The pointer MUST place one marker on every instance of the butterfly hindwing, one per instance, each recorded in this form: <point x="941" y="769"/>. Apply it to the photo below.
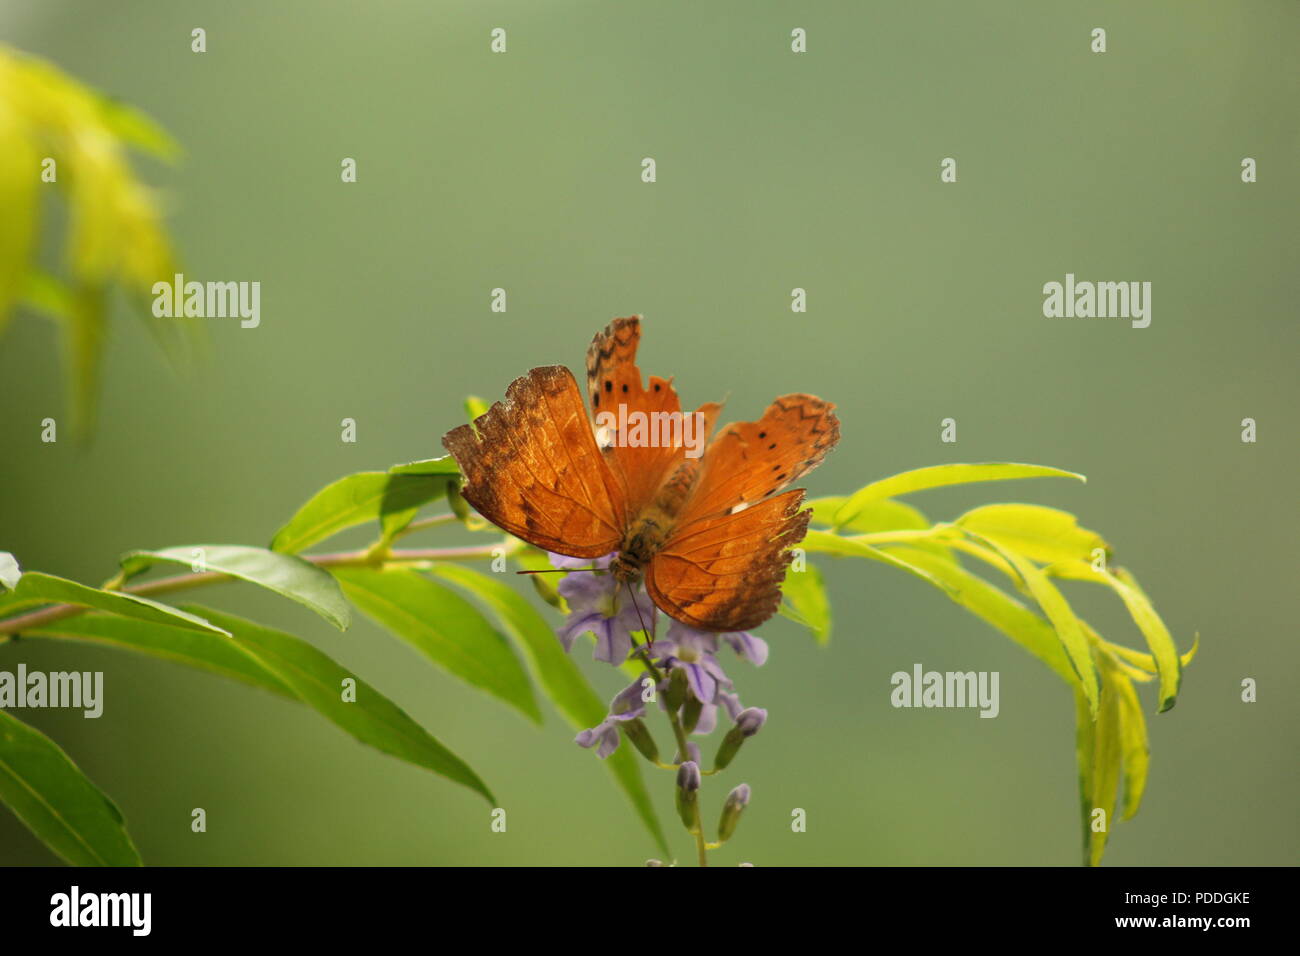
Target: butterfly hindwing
<point x="722" y="564"/>
<point x="724" y="572"/>
<point x="532" y="467"/>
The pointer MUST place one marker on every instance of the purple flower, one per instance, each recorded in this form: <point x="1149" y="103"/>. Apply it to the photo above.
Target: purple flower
<point x="626" y="705"/>
<point x="567" y="563"/>
<point x="599" y="604"/>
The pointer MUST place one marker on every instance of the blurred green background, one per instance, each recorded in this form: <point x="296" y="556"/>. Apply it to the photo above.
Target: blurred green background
<point x="775" y="170"/>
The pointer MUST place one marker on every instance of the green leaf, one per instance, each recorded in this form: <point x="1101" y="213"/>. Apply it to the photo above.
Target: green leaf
<point x="356" y="499"/>
<point x="560" y="677"/>
<point x="1100" y="756"/>
<point x="1135" y="750"/>
<point x="1059" y="612"/>
<point x="372" y="718"/>
<point x="826" y="542"/>
<point x="84" y="329"/>
<point x="938" y="476"/>
<point x="57" y="802"/>
<point x="211" y="652"/>
<point x="36" y="588"/>
<point x="883" y="515"/>
<point x="285" y="574"/>
<point x="446" y="465"/>
<point x="20" y="200"/>
<point x="994" y="606"/>
<point x="445" y="628"/>
<point x="1165" y="654"/>
<point x="138" y="129"/>
<point x="1146" y="661"/>
<point x="9" y="570"/>
<point x="806" y="594"/>
<point x="48" y="294"/>
<point x="1040" y="534"/>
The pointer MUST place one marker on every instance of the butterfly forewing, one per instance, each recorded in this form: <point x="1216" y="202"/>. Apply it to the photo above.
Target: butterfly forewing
<point x="640" y="426"/>
<point x="750" y="461"/>
<point x="531" y="466"/>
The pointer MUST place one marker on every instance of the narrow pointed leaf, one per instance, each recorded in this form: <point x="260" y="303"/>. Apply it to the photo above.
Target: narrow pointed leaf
<point x="446" y="465"/>
<point x="35" y="588"/>
<point x="371" y="718"/>
<point x="805" y="592"/>
<point x="1062" y="616"/>
<point x="445" y="628"/>
<point x="1135" y="749"/>
<point x="285" y="574"/>
<point x="559" y="675"/>
<point x="57" y="802"/>
<point x="356" y="499"/>
<point x="885" y="514"/>
<point x="994" y="606"/>
<point x="1163" y="651"/>
<point x="1100" y="757"/>
<point x="826" y="542"/>
<point x="1039" y="533"/>
<point x="211" y="652"/>
<point x="20" y="200"/>
<point x="938" y="476"/>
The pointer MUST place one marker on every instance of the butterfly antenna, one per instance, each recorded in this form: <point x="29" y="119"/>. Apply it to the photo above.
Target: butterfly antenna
<point x="645" y="630"/>
<point x="559" y="571"/>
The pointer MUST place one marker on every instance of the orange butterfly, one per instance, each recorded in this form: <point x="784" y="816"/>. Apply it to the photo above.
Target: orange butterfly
<point x="709" y="534"/>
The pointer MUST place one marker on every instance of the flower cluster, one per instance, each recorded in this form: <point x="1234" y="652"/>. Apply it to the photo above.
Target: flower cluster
<point x="688" y="681"/>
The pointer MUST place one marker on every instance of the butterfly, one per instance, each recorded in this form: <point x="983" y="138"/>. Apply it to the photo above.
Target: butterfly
<point x="709" y="533"/>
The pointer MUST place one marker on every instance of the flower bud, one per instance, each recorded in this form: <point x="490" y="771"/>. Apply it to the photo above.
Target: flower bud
<point x="748" y="721"/>
<point x="736" y="802"/>
<point x="654" y="862"/>
<point x="457" y="504"/>
<point x="675" y="693"/>
<point x="547" y="591"/>
<point x="688" y="793"/>
<point x="691" y="715"/>
<point x="639" y="734"/>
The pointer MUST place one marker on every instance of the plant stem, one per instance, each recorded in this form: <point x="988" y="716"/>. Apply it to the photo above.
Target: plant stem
<point x="679" y="732"/>
<point x="182" y="582"/>
<point x="701" y="848"/>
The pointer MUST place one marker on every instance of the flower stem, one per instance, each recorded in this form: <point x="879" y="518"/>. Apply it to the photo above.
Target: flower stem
<point x="701" y="846"/>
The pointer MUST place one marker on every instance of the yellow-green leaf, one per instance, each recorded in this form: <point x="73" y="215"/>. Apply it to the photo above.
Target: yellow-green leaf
<point x="938" y="476"/>
<point x="1039" y="533"/>
<point x="805" y="593"/>
<point x="1135" y="749"/>
<point x="1062" y="616"/>
<point x="1100" y="756"/>
<point x="1165" y="654"/>
<point x="883" y="515"/>
<point x="994" y="606"/>
<point x="826" y="542"/>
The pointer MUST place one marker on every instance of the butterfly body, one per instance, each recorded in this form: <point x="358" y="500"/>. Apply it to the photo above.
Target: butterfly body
<point x="708" y="534"/>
